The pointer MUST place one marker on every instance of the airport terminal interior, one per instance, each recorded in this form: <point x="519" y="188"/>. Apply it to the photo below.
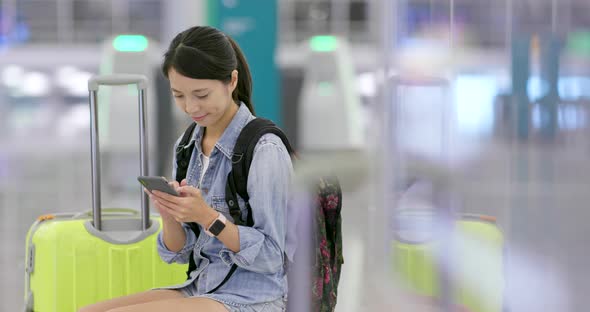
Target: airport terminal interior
<point x="459" y="129"/>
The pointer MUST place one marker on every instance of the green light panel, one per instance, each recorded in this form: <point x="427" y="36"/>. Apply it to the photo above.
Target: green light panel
<point x="323" y="43"/>
<point x="130" y="43"/>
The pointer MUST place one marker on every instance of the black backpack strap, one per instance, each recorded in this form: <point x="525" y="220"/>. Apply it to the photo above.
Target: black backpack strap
<point x="234" y="267"/>
<point x="183" y="153"/>
<point x="183" y="157"/>
<point x="237" y="179"/>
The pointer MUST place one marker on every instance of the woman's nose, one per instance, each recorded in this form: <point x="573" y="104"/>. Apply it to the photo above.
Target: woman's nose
<point x="192" y="107"/>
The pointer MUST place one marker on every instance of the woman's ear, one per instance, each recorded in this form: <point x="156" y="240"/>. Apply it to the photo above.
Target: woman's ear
<point x="234" y="80"/>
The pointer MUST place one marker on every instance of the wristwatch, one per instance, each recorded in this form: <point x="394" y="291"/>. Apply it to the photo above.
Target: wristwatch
<point x="216" y="226"/>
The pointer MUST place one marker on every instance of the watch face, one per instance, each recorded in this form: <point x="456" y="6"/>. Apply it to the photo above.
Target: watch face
<point x="216" y="227"/>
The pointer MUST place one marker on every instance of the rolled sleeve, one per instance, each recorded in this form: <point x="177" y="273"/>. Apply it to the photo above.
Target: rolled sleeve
<point x="262" y="247"/>
<point x="258" y="253"/>
<point x="183" y="255"/>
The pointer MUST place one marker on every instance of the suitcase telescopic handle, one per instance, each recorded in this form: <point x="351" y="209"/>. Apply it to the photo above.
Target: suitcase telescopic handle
<point x="93" y="86"/>
<point x="117" y="80"/>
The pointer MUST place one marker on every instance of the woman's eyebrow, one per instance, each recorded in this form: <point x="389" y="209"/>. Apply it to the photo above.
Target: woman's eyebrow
<point x="200" y="90"/>
<point x="196" y="90"/>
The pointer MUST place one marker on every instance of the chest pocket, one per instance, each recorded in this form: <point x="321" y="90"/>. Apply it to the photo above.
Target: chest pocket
<point x="219" y="204"/>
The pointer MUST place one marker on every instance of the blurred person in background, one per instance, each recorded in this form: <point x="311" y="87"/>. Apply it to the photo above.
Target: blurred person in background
<point x="211" y="82"/>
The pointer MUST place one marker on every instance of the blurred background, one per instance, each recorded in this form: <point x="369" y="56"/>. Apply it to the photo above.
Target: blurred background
<point x="460" y="130"/>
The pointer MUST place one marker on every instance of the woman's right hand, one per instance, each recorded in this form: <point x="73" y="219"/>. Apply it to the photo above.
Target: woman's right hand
<point x="164" y="212"/>
<point x="173" y="234"/>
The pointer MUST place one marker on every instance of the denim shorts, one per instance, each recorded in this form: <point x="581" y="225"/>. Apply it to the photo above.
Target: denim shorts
<point x="279" y="305"/>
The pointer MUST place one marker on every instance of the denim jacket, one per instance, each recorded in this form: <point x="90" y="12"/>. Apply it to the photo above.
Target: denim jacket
<point x="260" y="276"/>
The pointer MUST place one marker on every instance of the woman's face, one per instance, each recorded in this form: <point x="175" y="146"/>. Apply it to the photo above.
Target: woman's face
<point x="205" y="101"/>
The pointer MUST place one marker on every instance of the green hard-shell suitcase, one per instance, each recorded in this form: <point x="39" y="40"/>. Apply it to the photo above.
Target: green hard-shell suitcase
<point x="73" y="260"/>
<point x="477" y="265"/>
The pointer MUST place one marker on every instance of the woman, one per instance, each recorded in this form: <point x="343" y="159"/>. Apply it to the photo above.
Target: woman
<point x="211" y="82"/>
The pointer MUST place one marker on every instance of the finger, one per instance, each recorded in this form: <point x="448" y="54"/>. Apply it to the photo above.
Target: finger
<point x="161" y="209"/>
<point x="174" y="184"/>
<point x="169" y="209"/>
<point x="150" y="195"/>
<point x="167" y="197"/>
<point x="165" y="212"/>
<point x="191" y="191"/>
<point x="169" y="205"/>
<point x="159" y="206"/>
<point x="178" y="207"/>
<point x="183" y="182"/>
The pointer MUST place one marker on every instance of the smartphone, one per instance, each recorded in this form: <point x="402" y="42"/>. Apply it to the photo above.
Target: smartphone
<point x="157" y="184"/>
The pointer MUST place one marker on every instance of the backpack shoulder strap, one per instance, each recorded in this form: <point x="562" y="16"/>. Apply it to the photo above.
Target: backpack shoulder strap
<point x="183" y="157"/>
<point x="184" y="153"/>
<point x="237" y="179"/>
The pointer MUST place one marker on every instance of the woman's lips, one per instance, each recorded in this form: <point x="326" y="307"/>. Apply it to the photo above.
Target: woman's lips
<point x="199" y="118"/>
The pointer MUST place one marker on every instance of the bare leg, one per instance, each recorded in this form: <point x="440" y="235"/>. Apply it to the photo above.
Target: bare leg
<point x="143" y="297"/>
<point x="176" y="305"/>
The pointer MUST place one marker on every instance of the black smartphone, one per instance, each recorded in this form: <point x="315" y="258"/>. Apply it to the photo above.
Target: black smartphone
<point x="157" y="184"/>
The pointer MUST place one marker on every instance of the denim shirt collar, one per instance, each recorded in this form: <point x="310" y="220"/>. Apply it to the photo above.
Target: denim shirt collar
<point x="228" y="139"/>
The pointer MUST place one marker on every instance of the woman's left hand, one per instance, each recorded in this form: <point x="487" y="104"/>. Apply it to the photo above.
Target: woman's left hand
<point x="188" y="207"/>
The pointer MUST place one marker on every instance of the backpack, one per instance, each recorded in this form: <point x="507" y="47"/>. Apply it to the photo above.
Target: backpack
<point x="327" y="256"/>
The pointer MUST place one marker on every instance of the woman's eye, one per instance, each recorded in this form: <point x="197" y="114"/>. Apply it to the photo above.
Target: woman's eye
<point x="178" y="96"/>
<point x="202" y="96"/>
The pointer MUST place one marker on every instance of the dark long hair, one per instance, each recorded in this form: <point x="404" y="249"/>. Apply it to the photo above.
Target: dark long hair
<point x="204" y="52"/>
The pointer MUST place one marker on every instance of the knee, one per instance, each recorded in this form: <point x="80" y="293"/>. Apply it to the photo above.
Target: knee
<point x="85" y="309"/>
<point x="91" y="308"/>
